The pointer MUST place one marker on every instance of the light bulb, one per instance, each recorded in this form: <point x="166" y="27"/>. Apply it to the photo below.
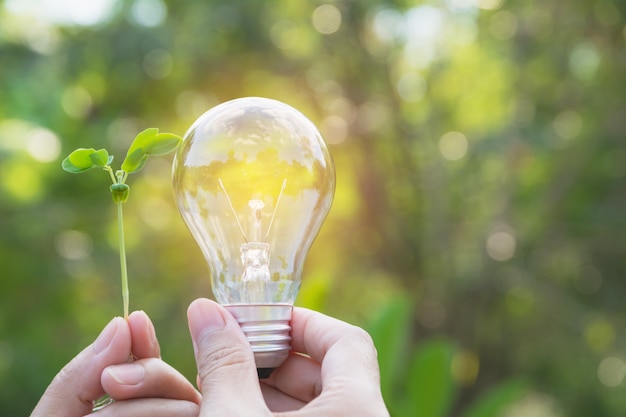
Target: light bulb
<point x="254" y="181"/>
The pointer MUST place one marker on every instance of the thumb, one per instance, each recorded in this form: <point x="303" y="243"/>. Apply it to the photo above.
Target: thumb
<point x="226" y="369"/>
<point x="77" y="385"/>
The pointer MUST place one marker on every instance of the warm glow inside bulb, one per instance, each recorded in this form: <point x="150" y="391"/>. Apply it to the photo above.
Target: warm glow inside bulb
<point x="254" y="181"/>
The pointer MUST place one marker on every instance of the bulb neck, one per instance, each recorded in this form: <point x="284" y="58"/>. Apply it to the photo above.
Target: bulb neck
<point x="267" y="328"/>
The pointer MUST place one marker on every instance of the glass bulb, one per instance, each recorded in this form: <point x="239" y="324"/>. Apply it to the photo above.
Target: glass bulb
<point x="254" y="181"/>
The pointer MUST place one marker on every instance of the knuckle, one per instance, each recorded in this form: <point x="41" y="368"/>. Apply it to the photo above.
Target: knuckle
<point x="224" y="359"/>
<point x="362" y="335"/>
<point x="362" y="346"/>
<point x="363" y="339"/>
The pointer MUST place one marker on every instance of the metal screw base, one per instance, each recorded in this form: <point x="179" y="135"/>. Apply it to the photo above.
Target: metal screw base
<point x="267" y="328"/>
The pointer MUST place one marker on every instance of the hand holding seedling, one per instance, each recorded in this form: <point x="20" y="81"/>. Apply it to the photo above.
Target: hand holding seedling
<point x="147" y="143"/>
<point x="146" y="387"/>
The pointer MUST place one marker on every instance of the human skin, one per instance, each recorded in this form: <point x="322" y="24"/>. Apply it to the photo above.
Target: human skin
<point x="332" y="371"/>
<point x="147" y="387"/>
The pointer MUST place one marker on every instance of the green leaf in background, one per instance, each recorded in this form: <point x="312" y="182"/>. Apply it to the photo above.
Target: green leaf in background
<point x="495" y="401"/>
<point x="431" y="388"/>
<point x="82" y="159"/>
<point x="390" y="331"/>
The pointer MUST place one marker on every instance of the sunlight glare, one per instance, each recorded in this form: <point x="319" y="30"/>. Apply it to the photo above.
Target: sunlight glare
<point x="64" y="12"/>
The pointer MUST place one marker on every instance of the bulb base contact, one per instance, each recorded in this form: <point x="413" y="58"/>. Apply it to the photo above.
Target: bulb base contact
<point x="267" y="328"/>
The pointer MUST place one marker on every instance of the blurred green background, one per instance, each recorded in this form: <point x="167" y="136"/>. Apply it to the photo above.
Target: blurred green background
<point x="478" y="229"/>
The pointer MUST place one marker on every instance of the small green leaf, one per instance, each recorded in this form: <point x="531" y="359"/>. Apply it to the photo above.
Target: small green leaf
<point x="149" y="142"/>
<point x="137" y="151"/>
<point x="131" y="162"/>
<point x="163" y="143"/>
<point x="134" y="161"/>
<point x="100" y="157"/>
<point x="79" y="161"/>
<point x="141" y="163"/>
<point x="143" y="139"/>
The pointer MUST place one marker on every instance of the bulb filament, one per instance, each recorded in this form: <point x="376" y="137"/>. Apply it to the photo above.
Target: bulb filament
<point x="255" y="254"/>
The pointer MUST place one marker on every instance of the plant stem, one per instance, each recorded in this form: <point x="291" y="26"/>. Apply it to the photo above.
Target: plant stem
<point x="122" y="247"/>
<point x="110" y="171"/>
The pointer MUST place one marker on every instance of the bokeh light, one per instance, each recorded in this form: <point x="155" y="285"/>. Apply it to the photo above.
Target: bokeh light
<point x="501" y="243"/>
<point x="453" y="145"/>
<point x="77" y="102"/>
<point x="158" y="63"/>
<point x="327" y="19"/>
<point x="74" y="244"/>
<point x="149" y="13"/>
<point x="611" y="371"/>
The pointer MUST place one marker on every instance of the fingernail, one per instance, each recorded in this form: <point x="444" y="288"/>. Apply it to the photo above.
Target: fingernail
<point x="150" y="328"/>
<point x="204" y="315"/>
<point x="105" y="337"/>
<point x="127" y="374"/>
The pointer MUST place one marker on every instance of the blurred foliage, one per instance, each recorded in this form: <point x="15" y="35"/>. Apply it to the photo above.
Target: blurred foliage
<point x="437" y="368"/>
<point x="481" y="174"/>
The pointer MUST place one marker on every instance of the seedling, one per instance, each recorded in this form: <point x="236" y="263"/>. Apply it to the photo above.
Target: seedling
<point x="147" y="143"/>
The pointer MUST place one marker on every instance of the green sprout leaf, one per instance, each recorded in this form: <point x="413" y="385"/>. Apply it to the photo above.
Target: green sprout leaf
<point x="100" y="158"/>
<point x="164" y="143"/>
<point x="146" y="143"/>
<point x="84" y="159"/>
<point x="143" y="139"/>
<point x="134" y="161"/>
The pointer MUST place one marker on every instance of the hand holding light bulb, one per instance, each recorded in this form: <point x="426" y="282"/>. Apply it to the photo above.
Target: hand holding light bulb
<point x="334" y="372"/>
<point x="254" y="181"/>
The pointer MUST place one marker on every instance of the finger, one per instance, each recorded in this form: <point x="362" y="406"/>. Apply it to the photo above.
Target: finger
<point x="147" y="378"/>
<point x="298" y="377"/>
<point x="349" y="370"/>
<point x="74" y="389"/>
<point x="345" y="351"/>
<point x="145" y="344"/>
<point x="278" y="401"/>
<point x="226" y="367"/>
<point x="149" y="407"/>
